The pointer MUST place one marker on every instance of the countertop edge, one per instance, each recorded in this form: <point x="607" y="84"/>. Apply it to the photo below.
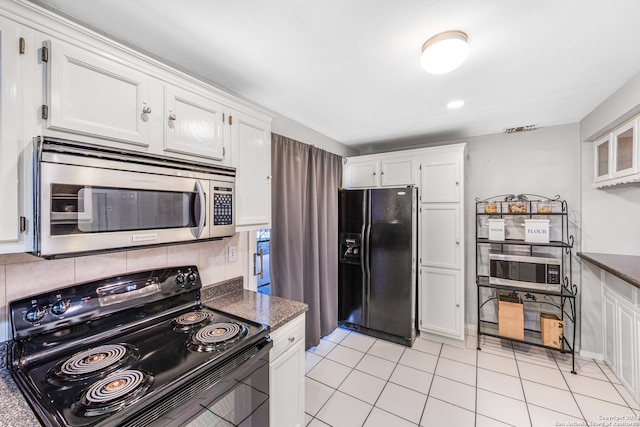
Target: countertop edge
<point x="625" y="267"/>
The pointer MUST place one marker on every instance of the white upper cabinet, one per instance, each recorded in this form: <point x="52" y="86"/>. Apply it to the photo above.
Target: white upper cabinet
<point x="379" y="170"/>
<point x="9" y="131"/>
<point x="396" y="172"/>
<point x="95" y="95"/>
<point x="193" y="124"/>
<point x="440" y="179"/>
<point x="616" y="156"/>
<point x="251" y="155"/>
<point x="362" y="174"/>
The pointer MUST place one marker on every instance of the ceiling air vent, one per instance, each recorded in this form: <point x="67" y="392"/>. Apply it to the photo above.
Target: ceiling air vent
<point x="520" y="129"/>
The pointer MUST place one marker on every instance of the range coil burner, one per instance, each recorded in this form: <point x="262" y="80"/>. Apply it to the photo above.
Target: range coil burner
<point x="93" y="362"/>
<point x="138" y="350"/>
<point x="218" y="336"/>
<point x="112" y="393"/>
<point x="189" y="321"/>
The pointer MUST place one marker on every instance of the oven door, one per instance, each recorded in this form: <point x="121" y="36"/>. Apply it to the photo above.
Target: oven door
<point x="82" y="208"/>
<point x="239" y="398"/>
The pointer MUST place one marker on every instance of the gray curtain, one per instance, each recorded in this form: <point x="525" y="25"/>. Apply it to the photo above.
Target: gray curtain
<point x="304" y="233"/>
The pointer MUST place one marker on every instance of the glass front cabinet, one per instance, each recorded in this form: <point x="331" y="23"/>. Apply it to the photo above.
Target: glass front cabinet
<point x="616" y="156"/>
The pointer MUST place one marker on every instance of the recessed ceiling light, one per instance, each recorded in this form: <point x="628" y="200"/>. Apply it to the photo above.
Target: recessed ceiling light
<point x="444" y="52"/>
<point x="455" y="104"/>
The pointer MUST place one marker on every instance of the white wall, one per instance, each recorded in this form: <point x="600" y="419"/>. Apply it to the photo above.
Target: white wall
<point x="286" y="127"/>
<point x="610" y="216"/>
<point x="544" y="162"/>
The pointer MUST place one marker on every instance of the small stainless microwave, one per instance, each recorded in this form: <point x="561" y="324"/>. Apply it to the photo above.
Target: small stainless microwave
<point x="531" y="271"/>
<point x="90" y="198"/>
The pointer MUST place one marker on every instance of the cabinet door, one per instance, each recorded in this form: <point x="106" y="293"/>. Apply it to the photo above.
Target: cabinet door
<point x="626" y="346"/>
<point x="286" y="388"/>
<point x="362" y="175"/>
<point x="95" y="95"/>
<point x="193" y="124"/>
<point x="610" y="345"/>
<point x="440" y="244"/>
<point x="396" y="172"/>
<point x="9" y="119"/>
<point x="602" y="159"/>
<point x="251" y="147"/>
<point x="440" y="181"/>
<point x="441" y="310"/>
<point x="625" y="147"/>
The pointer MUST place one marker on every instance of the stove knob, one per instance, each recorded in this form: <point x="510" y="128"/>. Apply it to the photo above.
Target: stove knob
<point x="192" y="277"/>
<point x="35" y="314"/>
<point x="181" y="279"/>
<point x="60" y="307"/>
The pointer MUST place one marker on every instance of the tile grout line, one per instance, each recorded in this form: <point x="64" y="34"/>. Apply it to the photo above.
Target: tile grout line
<point x="573" y="396"/>
<point x="526" y="404"/>
<point x="435" y="368"/>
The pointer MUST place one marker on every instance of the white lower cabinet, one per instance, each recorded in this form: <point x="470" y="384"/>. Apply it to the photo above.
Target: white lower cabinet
<point x="609" y="316"/>
<point x="621" y="339"/>
<point x="286" y="375"/>
<point x="440" y="302"/>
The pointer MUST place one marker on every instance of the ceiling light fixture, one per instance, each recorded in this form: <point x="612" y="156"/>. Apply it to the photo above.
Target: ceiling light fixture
<point x="455" y="104"/>
<point x="444" y="52"/>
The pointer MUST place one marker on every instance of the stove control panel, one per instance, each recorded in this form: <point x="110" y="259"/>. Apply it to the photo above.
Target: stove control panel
<point x="35" y="314"/>
<point x="65" y="307"/>
<point x="186" y="278"/>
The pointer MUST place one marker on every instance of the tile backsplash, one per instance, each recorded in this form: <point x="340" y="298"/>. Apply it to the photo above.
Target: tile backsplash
<point x="22" y="275"/>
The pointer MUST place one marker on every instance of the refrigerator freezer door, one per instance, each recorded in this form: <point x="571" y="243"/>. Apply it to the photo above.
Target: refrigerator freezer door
<point x="391" y="238"/>
<point x="352" y="280"/>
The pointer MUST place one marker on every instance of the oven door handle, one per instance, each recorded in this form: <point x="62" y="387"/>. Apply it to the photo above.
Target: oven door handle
<point x="203" y="210"/>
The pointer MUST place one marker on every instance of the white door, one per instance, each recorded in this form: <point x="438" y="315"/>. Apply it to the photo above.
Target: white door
<point x="610" y="331"/>
<point x="251" y="147"/>
<point x="440" y="237"/>
<point x="396" y="172"/>
<point x="362" y="175"/>
<point x="193" y="124"/>
<point x="626" y="346"/>
<point x="9" y="119"/>
<point x="440" y="305"/>
<point x="96" y="95"/>
<point x="440" y="181"/>
<point x="286" y="396"/>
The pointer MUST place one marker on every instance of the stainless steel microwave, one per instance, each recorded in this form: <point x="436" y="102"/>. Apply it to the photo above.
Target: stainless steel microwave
<point x="530" y="271"/>
<point x="90" y="198"/>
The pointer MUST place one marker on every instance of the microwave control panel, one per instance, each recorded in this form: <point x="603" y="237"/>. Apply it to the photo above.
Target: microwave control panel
<point x="553" y="274"/>
<point x="222" y="208"/>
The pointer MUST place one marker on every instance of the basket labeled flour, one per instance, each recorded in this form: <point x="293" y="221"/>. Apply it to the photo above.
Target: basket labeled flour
<point x="536" y="230"/>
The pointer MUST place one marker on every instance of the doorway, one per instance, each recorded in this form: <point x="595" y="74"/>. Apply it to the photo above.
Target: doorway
<point x="263" y="239"/>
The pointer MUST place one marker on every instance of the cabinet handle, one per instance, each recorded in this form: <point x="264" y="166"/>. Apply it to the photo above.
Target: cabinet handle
<point x="458" y="305"/>
<point x="292" y="339"/>
<point x="172" y="116"/>
<point x="268" y="176"/>
<point x="374" y="174"/>
<point x="146" y="109"/>
<point x="457" y="182"/>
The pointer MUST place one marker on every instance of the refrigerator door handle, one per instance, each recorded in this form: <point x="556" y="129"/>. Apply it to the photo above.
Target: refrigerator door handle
<point x="367" y="260"/>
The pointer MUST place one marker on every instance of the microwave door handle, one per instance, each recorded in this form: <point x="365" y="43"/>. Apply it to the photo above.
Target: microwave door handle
<point x="203" y="210"/>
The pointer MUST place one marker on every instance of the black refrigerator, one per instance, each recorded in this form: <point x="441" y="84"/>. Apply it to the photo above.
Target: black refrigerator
<point x="377" y="265"/>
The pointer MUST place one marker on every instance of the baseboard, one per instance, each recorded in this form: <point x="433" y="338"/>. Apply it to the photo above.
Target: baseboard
<point x="591" y="355"/>
<point x="439" y="338"/>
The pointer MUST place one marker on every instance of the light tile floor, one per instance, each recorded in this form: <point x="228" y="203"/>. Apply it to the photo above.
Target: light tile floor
<point x="356" y="380"/>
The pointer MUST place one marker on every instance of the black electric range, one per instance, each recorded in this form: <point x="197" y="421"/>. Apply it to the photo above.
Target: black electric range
<point x="137" y="349"/>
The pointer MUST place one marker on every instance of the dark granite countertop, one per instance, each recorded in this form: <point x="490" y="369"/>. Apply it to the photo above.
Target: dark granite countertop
<point x="231" y="298"/>
<point x="227" y="296"/>
<point x="625" y="267"/>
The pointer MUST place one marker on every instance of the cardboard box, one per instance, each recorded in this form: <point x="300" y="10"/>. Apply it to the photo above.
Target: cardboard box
<point x="551" y="329"/>
<point x="510" y="317"/>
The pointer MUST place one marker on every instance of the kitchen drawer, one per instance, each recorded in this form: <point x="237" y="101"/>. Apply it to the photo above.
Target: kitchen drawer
<point x="286" y="336"/>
